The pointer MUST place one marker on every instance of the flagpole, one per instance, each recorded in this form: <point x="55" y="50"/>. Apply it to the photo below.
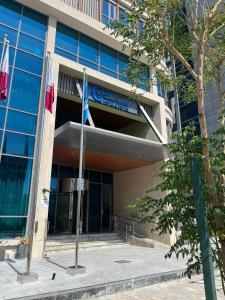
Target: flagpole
<point x="80" y="174"/>
<point x="5" y="45"/>
<point x="37" y="160"/>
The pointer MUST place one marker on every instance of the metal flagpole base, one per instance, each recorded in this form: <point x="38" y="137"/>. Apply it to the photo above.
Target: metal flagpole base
<point x="73" y="271"/>
<point x="25" y="278"/>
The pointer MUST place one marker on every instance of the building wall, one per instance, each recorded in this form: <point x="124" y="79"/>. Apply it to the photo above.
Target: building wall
<point x="131" y="184"/>
<point x="26" y="30"/>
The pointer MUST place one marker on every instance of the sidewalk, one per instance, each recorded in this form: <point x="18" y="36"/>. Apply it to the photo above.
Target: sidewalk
<point x="137" y="267"/>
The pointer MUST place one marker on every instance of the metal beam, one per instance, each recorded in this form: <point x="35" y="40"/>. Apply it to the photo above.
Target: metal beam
<point x="151" y="124"/>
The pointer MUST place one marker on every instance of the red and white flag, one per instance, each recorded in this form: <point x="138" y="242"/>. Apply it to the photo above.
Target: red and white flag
<point x="4" y="74"/>
<point x="49" y="95"/>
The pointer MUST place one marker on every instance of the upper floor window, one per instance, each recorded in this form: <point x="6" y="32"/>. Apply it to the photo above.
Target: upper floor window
<point x="108" y="11"/>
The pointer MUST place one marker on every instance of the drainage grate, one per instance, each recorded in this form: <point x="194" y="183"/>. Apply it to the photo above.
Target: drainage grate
<point x="122" y="261"/>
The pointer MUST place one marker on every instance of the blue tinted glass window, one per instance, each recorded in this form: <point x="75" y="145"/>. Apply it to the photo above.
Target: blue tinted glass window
<point x="65" y="54"/>
<point x="123" y="62"/>
<point x="21" y="122"/>
<point x="108" y="58"/>
<point x="88" y="64"/>
<point x="11" y="54"/>
<point x="12" y="227"/>
<point x="105" y="7"/>
<point x="18" y="144"/>
<point x="123" y="17"/>
<point x="1" y="137"/>
<point x="2" y="116"/>
<point x="31" y="45"/>
<point x="34" y="23"/>
<point x="29" y="62"/>
<point x="10" y="13"/>
<point x="54" y="177"/>
<point x="15" y="177"/>
<point x="25" y="91"/>
<point x="108" y="72"/>
<point x="66" y="38"/>
<point x="12" y="34"/>
<point x="88" y="48"/>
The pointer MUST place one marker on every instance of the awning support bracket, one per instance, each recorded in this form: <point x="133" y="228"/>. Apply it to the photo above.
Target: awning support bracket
<point x="151" y="123"/>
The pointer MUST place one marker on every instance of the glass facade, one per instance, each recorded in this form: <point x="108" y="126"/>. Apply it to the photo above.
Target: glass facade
<point x="26" y="30"/>
<point x="97" y="204"/>
<point x="89" y="52"/>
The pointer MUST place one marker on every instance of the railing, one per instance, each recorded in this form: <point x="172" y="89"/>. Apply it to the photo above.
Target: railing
<point x="131" y="229"/>
<point x="88" y="7"/>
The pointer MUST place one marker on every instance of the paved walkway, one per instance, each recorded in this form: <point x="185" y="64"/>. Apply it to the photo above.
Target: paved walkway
<point x="183" y="289"/>
<point x="101" y="268"/>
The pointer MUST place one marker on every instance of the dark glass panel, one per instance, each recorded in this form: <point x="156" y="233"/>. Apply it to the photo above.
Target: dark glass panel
<point x="52" y="212"/>
<point x="31" y="45"/>
<point x="12" y="34"/>
<point x="54" y="178"/>
<point x="18" y="144"/>
<point x="34" y="23"/>
<point x="108" y="58"/>
<point x="10" y="13"/>
<point x="21" y="122"/>
<point x="88" y="48"/>
<point x="1" y="137"/>
<point x="66" y="38"/>
<point x="107" y="178"/>
<point x="2" y="117"/>
<point x="94" y="221"/>
<point x="66" y="172"/>
<point x="25" y="91"/>
<point x="95" y="176"/>
<point x="65" y="54"/>
<point x="15" y="177"/>
<point x="29" y="62"/>
<point x="62" y="215"/>
<point x="12" y="227"/>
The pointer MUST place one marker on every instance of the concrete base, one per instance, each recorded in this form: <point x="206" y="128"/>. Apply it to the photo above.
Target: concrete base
<point x="24" y="278"/>
<point x="79" y="270"/>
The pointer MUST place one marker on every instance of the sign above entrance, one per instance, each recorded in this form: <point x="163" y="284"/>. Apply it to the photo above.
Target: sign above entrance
<point x="112" y="99"/>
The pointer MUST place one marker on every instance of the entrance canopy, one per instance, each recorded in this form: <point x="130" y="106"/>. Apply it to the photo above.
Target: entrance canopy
<point x="104" y="143"/>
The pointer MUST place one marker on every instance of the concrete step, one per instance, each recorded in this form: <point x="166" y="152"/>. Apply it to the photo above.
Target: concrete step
<point x="86" y="241"/>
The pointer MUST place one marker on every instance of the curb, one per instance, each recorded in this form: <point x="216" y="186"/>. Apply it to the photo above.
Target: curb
<point x="108" y="287"/>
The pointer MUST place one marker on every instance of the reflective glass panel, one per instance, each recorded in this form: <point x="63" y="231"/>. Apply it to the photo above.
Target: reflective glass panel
<point x="95" y="176"/>
<point x="15" y="177"/>
<point x="12" y="227"/>
<point x="88" y="64"/>
<point x="25" y="91"/>
<point x="34" y="23"/>
<point x="12" y="34"/>
<point x="10" y="13"/>
<point x="54" y="178"/>
<point x="31" y="45"/>
<point x="123" y="62"/>
<point x="108" y="58"/>
<point x="2" y="116"/>
<point x="66" y="38"/>
<point x="108" y="72"/>
<point x="29" y="62"/>
<point x="65" y="54"/>
<point x="18" y="144"/>
<point x="21" y="122"/>
<point x="88" y="48"/>
<point x="66" y="172"/>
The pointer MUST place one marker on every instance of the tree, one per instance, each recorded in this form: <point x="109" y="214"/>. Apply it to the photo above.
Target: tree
<point x="192" y="33"/>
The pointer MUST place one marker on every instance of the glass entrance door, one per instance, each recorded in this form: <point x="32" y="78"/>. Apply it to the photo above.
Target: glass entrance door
<point x="63" y="213"/>
<point x="107" y="199"/>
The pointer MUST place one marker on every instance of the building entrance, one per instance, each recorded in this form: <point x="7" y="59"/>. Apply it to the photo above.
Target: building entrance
<point x="96" y="207"/>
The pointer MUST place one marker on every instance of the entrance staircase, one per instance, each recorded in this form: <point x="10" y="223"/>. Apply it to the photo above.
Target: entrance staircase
<point x="67" y="242"/>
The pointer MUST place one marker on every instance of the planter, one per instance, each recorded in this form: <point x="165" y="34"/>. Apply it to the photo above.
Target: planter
<point x="21" y="251"/>
<point x="2" y="254"/>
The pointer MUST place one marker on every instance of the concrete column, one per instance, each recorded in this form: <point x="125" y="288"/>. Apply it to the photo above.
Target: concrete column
<point x="46" y="153"/>
<point x="160" y="119"/>
<point x="154" y="82"/>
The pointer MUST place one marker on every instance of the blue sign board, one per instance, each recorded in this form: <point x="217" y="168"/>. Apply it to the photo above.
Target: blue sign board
<point x="112" y="99"/>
